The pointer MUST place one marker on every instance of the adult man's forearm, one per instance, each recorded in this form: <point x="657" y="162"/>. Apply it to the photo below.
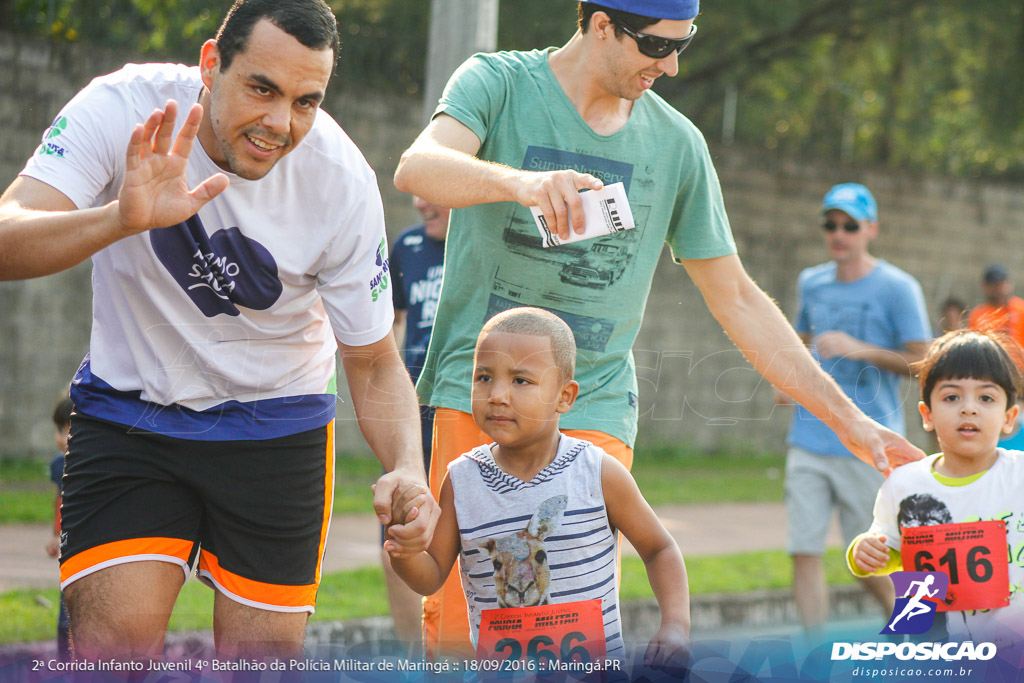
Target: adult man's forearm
<point x="387" y="411"/>
<point x="452" y="178"/>
<point x="762" y="333"/>
<point x="759" y="330"/>
<point x="37" y="243"/>
<point x="775" y="350"/>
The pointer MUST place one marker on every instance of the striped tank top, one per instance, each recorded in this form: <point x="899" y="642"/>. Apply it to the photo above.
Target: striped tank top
<point x="539" y="542"/>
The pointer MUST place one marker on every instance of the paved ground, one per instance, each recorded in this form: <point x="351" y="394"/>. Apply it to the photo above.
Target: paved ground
<point x="354" y="540"/>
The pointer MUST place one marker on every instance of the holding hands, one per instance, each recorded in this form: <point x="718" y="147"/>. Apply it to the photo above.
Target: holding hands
<point x="404" y="504"/>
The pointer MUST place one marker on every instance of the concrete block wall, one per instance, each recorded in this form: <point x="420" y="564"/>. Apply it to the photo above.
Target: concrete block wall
<point x="695" y="387"/>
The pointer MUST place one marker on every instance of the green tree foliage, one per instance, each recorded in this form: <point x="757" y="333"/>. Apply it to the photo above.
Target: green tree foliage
<point x="933" y="85"/>
<point x="383" y="41"/>
<point x="157" y="27"/>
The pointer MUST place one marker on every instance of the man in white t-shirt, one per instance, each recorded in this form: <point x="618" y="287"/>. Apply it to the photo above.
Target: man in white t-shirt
<point x="203" y="433"/>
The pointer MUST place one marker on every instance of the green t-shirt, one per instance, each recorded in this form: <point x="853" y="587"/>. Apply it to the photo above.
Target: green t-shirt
<point x="494" y="259"/>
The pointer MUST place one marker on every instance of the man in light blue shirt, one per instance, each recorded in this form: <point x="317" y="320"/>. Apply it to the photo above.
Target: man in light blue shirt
<point x="865" y="322"/>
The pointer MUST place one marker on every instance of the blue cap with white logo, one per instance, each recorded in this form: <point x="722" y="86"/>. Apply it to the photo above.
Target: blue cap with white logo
<point x="657" y="9"/>
<point x="854" y="199"/>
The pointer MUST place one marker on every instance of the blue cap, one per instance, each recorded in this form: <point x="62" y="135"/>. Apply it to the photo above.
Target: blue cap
<point x="854" y="199"/>
<point x="657" y="9"/>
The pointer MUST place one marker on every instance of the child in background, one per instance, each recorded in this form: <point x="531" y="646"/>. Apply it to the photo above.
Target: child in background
<point x="969" y="391"/>
<point x="953" y="315"/>
<point x="62" y="422"/>
<point x="534" y="517"/>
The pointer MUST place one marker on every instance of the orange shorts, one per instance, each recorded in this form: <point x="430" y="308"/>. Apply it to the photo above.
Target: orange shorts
<point x="445" y="622"/>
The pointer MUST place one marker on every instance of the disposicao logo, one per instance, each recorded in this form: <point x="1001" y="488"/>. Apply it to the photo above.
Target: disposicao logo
<point x="914" y="613"/>
<point x="918" y="595"/>
<point x="947" y="652"/>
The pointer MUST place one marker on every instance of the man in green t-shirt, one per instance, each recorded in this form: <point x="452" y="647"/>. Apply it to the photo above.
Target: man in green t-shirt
<point x="532" y="129"/>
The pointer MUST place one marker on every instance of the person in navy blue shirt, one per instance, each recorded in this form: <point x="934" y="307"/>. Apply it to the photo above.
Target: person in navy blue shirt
<point x="417" y="266"/>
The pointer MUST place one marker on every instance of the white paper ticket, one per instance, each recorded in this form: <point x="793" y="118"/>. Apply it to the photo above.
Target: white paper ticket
<point x="606" y="212"/>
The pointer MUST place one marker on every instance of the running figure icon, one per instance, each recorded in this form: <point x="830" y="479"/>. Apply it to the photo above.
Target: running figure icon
<point x="915" y="606"/>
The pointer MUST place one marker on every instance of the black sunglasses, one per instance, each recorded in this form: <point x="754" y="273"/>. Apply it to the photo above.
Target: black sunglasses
<point x="658" y="47"/>
<point x="832" y="226"/>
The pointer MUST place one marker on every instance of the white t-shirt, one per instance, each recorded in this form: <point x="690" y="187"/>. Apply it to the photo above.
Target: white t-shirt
<point x="912" y="495"/>
<point x="222" y="327"/>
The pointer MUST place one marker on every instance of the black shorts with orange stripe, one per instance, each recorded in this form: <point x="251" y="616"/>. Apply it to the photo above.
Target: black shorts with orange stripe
<point x="253" y="513"/>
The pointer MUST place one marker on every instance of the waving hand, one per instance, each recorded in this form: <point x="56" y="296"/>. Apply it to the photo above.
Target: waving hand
<point x="155" y="192"/>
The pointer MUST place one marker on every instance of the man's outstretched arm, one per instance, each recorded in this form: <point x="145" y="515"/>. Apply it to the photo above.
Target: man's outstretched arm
<point x="758" y="328"/>
<point x="440" y="166"/>
<point x="42" y="232"/>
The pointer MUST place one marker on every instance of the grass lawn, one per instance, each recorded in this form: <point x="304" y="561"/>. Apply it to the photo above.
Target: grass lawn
<point x="30" y="615"/>
<point x="26" y="503"/>
<point x="665" y="476"/>
<point x="672" y="477"/>
<point x="26" y="494"/>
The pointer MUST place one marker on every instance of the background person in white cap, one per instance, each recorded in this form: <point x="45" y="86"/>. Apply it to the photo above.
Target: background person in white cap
<point x="521" y="129"/>
<point x="865" y="321"/>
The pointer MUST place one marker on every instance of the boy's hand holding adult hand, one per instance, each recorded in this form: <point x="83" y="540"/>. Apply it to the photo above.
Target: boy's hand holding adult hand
<point x="403" y="503"/>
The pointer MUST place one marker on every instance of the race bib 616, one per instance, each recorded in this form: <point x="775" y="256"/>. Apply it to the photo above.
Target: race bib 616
<point x="972" y="554"/>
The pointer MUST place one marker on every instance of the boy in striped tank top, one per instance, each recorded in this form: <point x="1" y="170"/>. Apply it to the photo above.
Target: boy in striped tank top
<point x="534" y="516"/>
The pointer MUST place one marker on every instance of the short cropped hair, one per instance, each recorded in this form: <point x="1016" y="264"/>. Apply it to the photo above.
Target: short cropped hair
<point x="311" y="22"/>
<point x="972" y="354"/>
<point x="586" y="10"/>
<point x="540" y="323"/>
<point x="62" y="413"/>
